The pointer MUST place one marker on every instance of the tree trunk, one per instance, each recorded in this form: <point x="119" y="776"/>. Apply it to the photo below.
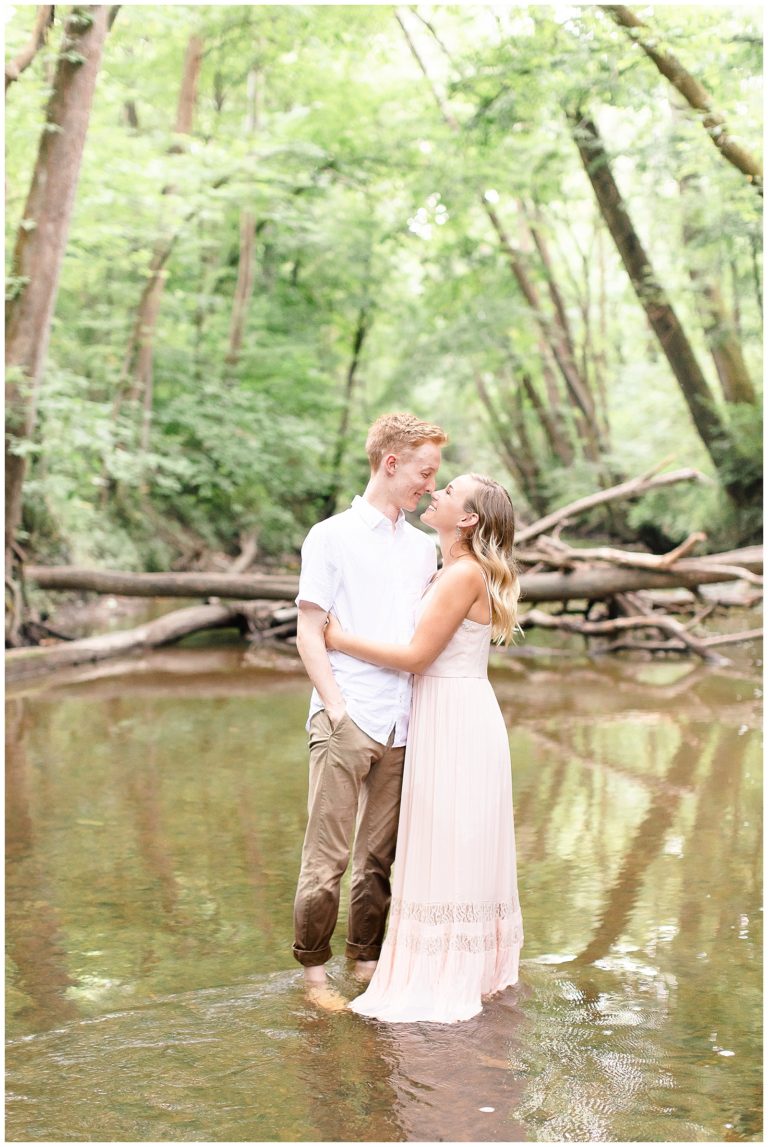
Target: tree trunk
<point x="526" y="451"/>
<point x="658" y="309"/>
<point x="553" y="336"/>
<point x="719" y="327"/>
<point x="561" y="410"/>
<point x="725" y="346"/>
<point x="185" y="111"/>
<point x="757" y="269"/>
<point x="505" y="448"/>
<point x="697" y="96"/>
<point x="149" y="301"/>
<point x="43" y="21"/>
<point x="248" y="231"/>
<point x="144" y="372"/>
<point x="42" y="239"/>
<point x="556" y="436"/>
<point x="509" y="429"/>
<point x="592" y="357"/>
<point x="552" y="285"/>
<point x="361" y="332"/>
<point x="131" y="114"/>
<point x="598" y="421"/>
<point x="244" y="287"/>
<point x="600" y="358"/>
<point x="161" y="255"/>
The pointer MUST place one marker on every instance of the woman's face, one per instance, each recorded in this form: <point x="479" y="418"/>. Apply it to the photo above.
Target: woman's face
<point x="446" y="510"/>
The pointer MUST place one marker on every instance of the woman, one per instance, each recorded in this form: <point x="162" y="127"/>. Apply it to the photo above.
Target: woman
<point x="455" y="928"/>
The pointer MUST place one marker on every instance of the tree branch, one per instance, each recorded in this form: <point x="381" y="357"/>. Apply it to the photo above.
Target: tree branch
<point x="43" y="21"/>
<point x="692" y="91"/>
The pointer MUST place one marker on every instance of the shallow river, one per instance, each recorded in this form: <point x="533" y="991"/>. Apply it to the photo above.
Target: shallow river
<point x="155" y="817"/>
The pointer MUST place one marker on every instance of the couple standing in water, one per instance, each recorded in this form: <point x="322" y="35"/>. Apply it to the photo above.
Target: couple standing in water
<point x="409" y="755"/>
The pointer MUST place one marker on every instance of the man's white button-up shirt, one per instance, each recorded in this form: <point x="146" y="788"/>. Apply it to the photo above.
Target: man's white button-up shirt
<point x="370" y="573"/>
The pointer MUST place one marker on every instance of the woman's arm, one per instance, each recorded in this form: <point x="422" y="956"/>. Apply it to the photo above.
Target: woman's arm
<point x="449" y="602"/>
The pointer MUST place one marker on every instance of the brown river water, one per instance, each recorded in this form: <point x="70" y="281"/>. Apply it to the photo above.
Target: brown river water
<point x="155" y="812"/>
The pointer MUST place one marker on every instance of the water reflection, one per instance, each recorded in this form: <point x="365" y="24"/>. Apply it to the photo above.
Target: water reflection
<point x="34" y="944"/>
<point x="643" y="849"/>
<point x="154" y="829"/>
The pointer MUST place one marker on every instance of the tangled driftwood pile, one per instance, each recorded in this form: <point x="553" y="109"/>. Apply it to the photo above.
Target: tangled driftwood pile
<point x="615" y="599"/>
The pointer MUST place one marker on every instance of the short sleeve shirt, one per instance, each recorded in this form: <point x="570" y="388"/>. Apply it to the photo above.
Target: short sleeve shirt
<point x="370" y="573"/>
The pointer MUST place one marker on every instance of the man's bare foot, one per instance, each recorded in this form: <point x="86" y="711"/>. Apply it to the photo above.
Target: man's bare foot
<point x="325" y="997"/>
<point x="364" y="969"/>
<point x="320" y="992"/>
<point x="315" y="975"/>
<point x="489" y="1061"/>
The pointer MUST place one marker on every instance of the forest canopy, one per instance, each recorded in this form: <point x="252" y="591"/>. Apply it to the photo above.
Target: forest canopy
<point x="537" y="225"/>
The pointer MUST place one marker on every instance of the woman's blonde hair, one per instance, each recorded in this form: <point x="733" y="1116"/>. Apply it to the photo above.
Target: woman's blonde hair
<point x="491" y="542"/>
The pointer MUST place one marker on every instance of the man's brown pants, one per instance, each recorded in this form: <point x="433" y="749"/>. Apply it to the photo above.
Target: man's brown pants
<point x="354" y="787"/>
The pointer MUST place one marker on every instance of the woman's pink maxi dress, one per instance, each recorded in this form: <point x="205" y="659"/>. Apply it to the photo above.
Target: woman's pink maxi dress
<point x="455" y="927"/>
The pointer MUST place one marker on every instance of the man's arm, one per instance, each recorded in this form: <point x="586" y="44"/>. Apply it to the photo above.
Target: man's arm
<point x="310" y="642"/>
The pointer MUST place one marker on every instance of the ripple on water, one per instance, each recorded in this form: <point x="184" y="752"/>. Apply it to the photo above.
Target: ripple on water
<point x="600" y="1068"/>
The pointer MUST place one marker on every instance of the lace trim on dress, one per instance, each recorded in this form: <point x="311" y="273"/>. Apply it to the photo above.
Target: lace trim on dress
<point x="472" y="913"/>
<point x="489" y="942"/>
<point x="435" y="928"/>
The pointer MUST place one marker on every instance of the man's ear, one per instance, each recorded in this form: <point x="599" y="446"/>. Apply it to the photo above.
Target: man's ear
<point x="390" y="463"/>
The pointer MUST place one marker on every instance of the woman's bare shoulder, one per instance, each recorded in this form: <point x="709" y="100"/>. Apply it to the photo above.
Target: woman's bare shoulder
<point x="466" y="573"/>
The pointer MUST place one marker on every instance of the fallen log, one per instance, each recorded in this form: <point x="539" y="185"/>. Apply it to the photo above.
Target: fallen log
<point x="261" y="604"/>
<point x="593" y="583"/>
<point x="553" y="551"/>
<point x="273" y="587"/>
<point x="633" y="488"/>
<point x="597" y="583"/>
<point x="25" y="663"/>
<point x="566" y="558"/>
<point x="680" y="634"/>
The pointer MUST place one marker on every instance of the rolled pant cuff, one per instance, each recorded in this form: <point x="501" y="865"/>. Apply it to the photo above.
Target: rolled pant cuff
<point x="312" y="959"/>
<point x="362" y="951"/>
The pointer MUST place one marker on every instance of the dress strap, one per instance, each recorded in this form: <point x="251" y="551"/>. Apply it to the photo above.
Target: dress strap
<point x="430" y="583"/>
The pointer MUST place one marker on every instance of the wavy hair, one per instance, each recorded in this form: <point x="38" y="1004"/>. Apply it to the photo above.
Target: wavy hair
<point x="491" y="542"/>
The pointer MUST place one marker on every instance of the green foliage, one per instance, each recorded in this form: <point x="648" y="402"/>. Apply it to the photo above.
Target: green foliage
<point x="365" y="200"/>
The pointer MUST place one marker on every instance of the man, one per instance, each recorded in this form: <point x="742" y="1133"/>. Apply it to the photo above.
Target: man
<point x="369" y="567"/>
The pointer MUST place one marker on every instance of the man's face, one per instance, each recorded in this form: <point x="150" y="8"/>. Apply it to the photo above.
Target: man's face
<point x="415" y="475"/>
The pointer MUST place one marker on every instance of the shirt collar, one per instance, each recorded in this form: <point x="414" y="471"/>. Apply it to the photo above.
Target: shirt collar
<point x="374" y="518"/>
